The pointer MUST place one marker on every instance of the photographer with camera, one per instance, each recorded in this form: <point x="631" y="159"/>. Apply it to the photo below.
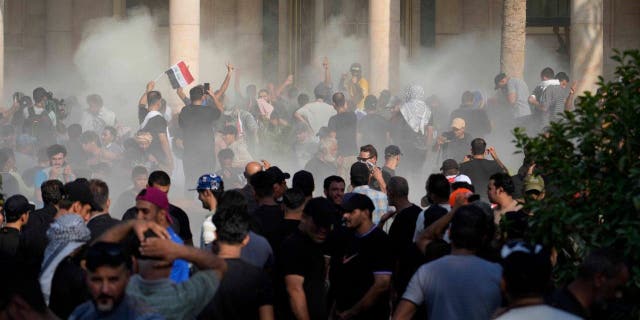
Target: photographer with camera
<point x="40" y="122"/>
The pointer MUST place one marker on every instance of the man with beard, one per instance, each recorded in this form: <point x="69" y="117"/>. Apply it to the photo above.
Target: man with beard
<point x="361" y="264"/>
<point x="108" y="272"/>
<point x="323" y="164"/>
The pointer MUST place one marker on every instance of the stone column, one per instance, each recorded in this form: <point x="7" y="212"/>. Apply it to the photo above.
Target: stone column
<point x="249" y="39"/>
<point x="384" y="33"/>
<point x="184" y="35"/>
<point x="2" y="51"/>
<point x="59" y="46"/>
<point x="514" y="17"/>
<point x="586" y="43"/>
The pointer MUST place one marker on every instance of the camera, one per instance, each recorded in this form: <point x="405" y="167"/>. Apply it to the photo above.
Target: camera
<point x="57" y="106"/>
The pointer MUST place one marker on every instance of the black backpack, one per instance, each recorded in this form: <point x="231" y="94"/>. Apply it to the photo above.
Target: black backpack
<point x="39" y="126"/>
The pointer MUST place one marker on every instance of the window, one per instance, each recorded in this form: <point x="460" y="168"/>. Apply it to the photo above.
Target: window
<point x="548" y="13"/>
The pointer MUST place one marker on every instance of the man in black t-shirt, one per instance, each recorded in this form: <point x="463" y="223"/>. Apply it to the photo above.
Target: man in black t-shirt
<point x="197" y="121"/>
<point x="16" y="213"/>
<point x="479" y="169"/>
<point x="343" y="126"/>
<point x="361" y="264"/>
<point x="302" y="263"/>
<point x="245" y="292"/>
<point x="268" y="214"/>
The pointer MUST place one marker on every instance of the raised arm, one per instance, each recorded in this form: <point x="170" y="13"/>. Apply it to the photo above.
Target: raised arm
<point x="494" y="155"/>
<point x="287" y="82"/>
<point x="170" y="251"/>
<point x="143" y="99"/>
<point x="120" y="231"/>
<point x="568" y="104"/>
<point x="225" y="83"/>
<point x="327" y="73"/>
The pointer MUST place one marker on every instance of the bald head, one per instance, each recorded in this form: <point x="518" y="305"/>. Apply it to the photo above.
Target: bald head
<point x="252" y="168"/>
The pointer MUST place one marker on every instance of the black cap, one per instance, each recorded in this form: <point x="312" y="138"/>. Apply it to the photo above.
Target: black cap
<point x="352" y="201"/>
<point x="303" y="181"/>
<point x="278" y="174"/>
<point x="15" y="206"/>
<point x="449" y="164"/>
<point x="499" y="78"/>
<point x="321" y="210"/>
<point x="78" y="190"/>
<point x="392" y="150"/>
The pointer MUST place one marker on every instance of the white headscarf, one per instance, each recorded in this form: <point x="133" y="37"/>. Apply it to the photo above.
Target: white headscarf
<point x="414" y="110"/>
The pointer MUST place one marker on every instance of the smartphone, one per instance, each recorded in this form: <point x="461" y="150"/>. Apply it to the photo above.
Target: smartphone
<point x="206" y="87"/>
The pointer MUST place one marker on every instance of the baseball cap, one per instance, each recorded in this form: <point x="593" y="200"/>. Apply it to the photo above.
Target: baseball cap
<point x="458" y="123"/>
<point x="209" y="181"/>
<point x="462" y="178"/>
<point x="15" y="206"/>
<point x="352" y="201"/>
<point x="449" y="164"/>
<point x="78" y="190"/>
<point x="321" y="211"/>
<point x="155" y="196"/>
<point x="499" y="78"/>
<point x="454" y="195"/>
<point x="533" y="183"/>
<point x="278" y="174"/>
<point x="392" y="150"/>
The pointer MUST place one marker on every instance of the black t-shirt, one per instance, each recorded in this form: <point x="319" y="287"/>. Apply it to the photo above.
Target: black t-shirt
<point x="301" y="256"/>
<point x="354" y="261"/>
<point x="401" y="237"/>
<point x="68" y="286"/>
<point x="243" y="290"/>
<point x="197" y="124"/>
<point x="34" y="234"/>
<point x="100" y="224"/>
<point x="563" y="299"/>
<point x="479" y="171"/>
<point x="345" y="125"/>
<point x="9" y="241"/>
<point x="287" y="227"/>
<point x="373" y="130"/>
<point x="156" y="126"/>
<point x="269" y="218"/>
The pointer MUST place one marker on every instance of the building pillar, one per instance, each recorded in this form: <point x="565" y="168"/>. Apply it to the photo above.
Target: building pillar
<point x="59" y="45"/>
<point x="512" y="51"/>
<point x="249" y="38"/>
<point x="184" y="35"/>
<point x="384" y="40"/>
<point x="2" y="55"/>
<point x="587" y="43"/>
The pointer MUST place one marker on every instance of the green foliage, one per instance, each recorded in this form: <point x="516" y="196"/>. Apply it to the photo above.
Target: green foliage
<point x="591" y="159"/>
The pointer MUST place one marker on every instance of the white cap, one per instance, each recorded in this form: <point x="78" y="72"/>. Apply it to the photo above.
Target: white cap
<point x="463" y="178"/>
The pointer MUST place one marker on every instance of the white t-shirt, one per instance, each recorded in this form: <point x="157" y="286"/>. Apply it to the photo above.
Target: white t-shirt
<point x="318" y="114"/>
<point x="537" y="312"/>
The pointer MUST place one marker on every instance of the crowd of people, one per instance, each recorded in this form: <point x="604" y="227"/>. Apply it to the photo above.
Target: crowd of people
<point x="338" y="239"/>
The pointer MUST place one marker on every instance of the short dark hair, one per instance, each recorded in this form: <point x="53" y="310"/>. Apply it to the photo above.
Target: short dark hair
<point x="467" y="97"/>
<point x="607" y="261"/>
<point x="153" y="97"/>
<point x="110" y="254"/>
<point x="331" y="179"/>
<point x="371" y="149"/>
<point x="359" y="174"/>
<point x="262" y="183"/>
<point x="338" y="99"/>
<point x="293" y="198"/>
<point x="526" y="274"/>
<point x="74" y="131"/>
<point x="160" y="178"/>
<point x="469" y="228"/>
<point x="112" y="130"/>
<point x="438" y="185"/>
<point x="303" y="181"/>
<point x="303" y="99"/>
<point x="232" y="218"/>
<point x="196" y="93"/>
<point x="51" y="192"/>
<point x="225" y="154"/>
<point x="370" y="102"/>
<point x="321" y="91"/>
<point x="39" y="93"/>
<point x="89" y="137"/>
<point x="561" y="76"/>
<point x="54" y="149"/>
<point x="95" y="99"/>
<point x="504" y="181"/>
<point x="398" y="186"/>
<point x="99" y="191"/>
<point x="547" y="73"/>
<point x="478" y="146"/>
<point x="139" y="170"/>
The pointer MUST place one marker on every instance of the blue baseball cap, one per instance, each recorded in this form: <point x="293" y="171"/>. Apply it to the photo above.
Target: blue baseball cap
<point x="210" y="181"/>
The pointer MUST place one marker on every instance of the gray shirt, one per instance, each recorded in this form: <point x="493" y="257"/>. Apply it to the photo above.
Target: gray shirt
<point x="553" y="99"/>
<point x="520" y="88"/>
<point x="457" y="287"/>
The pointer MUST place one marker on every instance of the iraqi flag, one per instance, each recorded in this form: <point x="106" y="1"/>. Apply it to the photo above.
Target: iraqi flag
<point x="179" y="75"/>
